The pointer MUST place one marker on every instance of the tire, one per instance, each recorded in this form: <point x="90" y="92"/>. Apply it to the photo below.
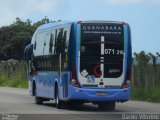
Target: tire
<point x="38" y="100"/>
<point x="109" y="106"/>
<point x="57" y="100"/>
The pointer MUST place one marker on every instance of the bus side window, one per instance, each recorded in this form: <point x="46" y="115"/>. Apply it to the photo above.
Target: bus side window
<point x="51" y="43"/>
<point x="60" y="41"/>
<point x="59" y="48"/>
<point x="55" y="44"/>
<point x="65" y="44"/>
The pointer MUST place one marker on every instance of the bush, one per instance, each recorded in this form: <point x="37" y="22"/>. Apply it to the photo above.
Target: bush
<point x="150" y="94"/>
<point x="13" y="73"/>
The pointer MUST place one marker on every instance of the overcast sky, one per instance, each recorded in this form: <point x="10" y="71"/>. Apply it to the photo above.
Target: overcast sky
<point x="142" y="15"/>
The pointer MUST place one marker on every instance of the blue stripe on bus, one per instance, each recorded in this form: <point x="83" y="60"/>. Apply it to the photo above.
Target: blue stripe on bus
<point x="77" y="50"/>
<point x="126" y="51"/>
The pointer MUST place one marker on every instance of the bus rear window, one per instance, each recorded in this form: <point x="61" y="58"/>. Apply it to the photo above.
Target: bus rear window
<point x="102" y="43"/>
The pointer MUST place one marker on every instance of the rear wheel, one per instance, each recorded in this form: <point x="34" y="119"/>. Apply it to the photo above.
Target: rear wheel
<point x="38" y="100"/>
<point x="110" y="106"/>
<point x="57" y="100"/>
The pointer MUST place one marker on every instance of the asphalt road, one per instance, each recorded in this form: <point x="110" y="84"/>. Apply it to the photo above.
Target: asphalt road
<point x="17" y="101"/>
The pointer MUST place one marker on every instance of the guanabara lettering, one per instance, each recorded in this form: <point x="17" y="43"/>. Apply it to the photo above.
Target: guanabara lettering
<point x="102" y="27"/>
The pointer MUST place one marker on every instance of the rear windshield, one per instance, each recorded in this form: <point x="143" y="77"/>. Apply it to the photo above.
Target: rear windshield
<point x="102" y="43"/>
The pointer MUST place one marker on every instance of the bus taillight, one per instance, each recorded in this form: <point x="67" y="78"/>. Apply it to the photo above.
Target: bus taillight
<point x="74" y="81"/>
<point x="79" y="22"/>
<point x="34" y="73"/>
<point x="127" y="81"/>
<point x="126" y="84"/>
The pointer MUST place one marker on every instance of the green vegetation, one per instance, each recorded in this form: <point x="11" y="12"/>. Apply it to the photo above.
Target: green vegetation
<point x="15" y="82"/>
<point x="151" y="94"/>
<point x="13" y="73"/>
<point x="15" y="37"/>
<point x="146" y="77"/>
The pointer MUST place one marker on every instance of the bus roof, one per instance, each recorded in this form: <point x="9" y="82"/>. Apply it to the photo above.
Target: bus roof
<point x="54" y="24"/>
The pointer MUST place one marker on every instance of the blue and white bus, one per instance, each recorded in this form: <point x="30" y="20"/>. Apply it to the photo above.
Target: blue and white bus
<point x="79" y="62"/>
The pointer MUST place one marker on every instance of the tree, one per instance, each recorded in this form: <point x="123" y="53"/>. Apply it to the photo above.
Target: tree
<point x="140" y="71"/>
<point x="15" y="37"/>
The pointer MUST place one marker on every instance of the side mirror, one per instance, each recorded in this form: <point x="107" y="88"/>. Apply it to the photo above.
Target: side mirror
<point x="28" y="52"/>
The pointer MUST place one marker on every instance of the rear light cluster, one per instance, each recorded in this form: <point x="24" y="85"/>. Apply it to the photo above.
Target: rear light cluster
<point x="126" y="84"/>
<point x="127" y="81"/>
<point x="79" y="22"/>
<point x="74" y="80"/>
<point x="34" y="73"/>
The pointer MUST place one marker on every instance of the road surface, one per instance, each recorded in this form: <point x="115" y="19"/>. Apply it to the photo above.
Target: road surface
<point x="18" y="101"/>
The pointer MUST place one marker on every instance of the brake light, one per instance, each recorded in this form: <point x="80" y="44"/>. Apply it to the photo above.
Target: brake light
<point x="74" y="81"/>
<point x="34" y="73"/>
<point x="79" y="22"/>
<point x="127" y="81"/>
<point x="126" y="84"/>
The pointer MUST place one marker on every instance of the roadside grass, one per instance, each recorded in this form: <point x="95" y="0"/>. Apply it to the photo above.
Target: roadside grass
<point x="13" y="73"/>
<point x="150" y="93"/>
<point x="16" y="81"/>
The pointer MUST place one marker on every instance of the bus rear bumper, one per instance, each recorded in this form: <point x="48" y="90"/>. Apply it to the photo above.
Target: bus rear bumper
<point x="93" y="94"/>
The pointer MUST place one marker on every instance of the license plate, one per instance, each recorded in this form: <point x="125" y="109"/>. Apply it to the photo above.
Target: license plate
<point x="99" y="93"/>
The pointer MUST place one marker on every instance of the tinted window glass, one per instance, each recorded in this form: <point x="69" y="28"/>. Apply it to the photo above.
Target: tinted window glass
<point x="102" y="44"/>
